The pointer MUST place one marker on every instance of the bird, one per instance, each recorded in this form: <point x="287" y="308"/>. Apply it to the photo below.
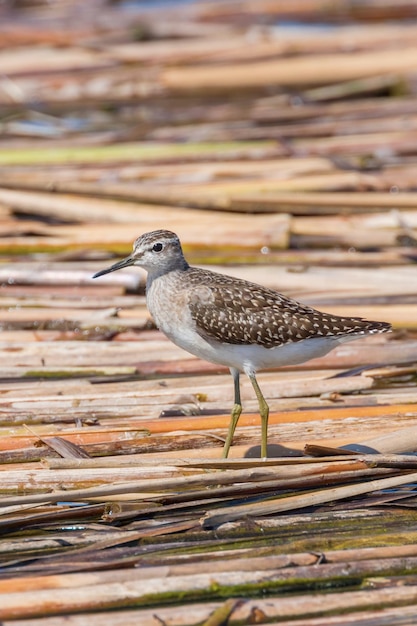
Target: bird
<point x="233" y="322"/>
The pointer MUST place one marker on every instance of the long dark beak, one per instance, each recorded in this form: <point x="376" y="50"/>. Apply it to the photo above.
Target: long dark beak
<point x="117" y="266"/>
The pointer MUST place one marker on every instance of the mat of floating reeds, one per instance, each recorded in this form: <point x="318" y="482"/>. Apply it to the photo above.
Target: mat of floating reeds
<point x="149" y="561"/>
<point x="115" y="504"/>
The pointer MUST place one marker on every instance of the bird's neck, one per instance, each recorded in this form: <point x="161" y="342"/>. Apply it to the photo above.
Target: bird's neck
<point x="165" y="272"/>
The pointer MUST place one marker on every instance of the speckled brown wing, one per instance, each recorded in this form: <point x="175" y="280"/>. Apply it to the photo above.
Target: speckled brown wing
<point x="239" y="312"/>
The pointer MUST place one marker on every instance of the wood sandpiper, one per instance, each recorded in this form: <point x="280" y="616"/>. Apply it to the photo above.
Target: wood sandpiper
<point x="234" y="322"/>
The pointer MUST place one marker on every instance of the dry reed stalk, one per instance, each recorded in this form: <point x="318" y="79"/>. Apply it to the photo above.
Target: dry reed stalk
<point x="256" y="232"/>
<point x="112" y="153"/>
<point x="156" y="479"/>
<point x="377" y="460"/>
<point x="63" y="59"/>
<point x="233" y="47"/>
<point x="351" y="145"/>
<point x="319" y="202"/>
<point x="208" y="464"/>
<point x="354" y="605"/>
<point x="289" y="72"/>
<point x="138" y="591"/>
<point x="244" y="196"/>
<point x="217" y="517"/>
<point x="396" y="442"/>
<point x="307" y="10"/>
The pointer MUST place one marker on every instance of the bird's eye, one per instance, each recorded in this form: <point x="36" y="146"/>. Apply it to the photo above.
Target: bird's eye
<point x="157" y="247"/>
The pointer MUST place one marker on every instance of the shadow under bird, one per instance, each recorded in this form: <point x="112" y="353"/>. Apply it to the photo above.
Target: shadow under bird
<point x="234" y="322"/>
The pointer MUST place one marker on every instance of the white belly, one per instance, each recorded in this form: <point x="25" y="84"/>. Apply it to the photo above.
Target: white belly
<point x="251" y="358"/>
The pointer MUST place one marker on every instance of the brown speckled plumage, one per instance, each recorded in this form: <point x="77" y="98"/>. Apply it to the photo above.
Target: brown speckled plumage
<point x="240" y="312"/>
<point x="234" y="322"/>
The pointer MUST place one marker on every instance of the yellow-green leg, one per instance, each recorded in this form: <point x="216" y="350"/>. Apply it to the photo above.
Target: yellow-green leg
<point x="264" y="413"/>
<point x="236" y="411"/>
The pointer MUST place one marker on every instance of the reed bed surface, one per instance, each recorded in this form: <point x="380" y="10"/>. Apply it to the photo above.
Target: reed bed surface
<point x="279" y="140"/>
